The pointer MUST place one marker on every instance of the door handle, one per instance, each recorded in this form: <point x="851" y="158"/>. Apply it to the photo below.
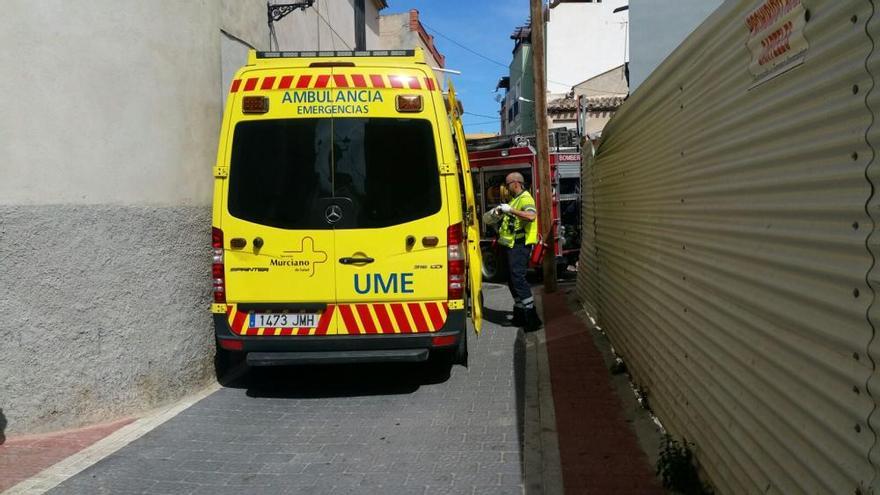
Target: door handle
<point x="356" y="261"/>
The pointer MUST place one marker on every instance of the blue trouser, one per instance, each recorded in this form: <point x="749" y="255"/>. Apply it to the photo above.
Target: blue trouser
<point x="517" y="264"/>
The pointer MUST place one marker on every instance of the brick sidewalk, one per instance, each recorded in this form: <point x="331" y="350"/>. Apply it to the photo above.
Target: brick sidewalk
<point x="23" y="457"/>
<point x="598" y="448"/>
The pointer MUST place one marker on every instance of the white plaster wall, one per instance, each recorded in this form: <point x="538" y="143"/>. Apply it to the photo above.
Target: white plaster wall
<point x="658" y="27"/>
<point x="107" y="138"/>
<point x="96" y="111"/>
<point x="394" y="34"/>
<point x="611" y="83"/>
<point x="583" y="41"/>
<point x="372" y="17"/>
<point x="328" y="25"/>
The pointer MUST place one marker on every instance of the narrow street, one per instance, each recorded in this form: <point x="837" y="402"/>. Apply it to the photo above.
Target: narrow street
<point x="344" y="429"/>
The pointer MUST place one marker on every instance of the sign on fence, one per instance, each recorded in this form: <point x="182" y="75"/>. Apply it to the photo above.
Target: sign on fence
<point x="776" y="38"/>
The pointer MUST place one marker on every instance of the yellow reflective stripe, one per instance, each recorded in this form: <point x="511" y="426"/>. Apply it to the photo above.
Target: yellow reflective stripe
<point x="409" y="317"/>
<point x="376" y="324"/>
<point x="425" y="317"/>
<point x="357" y="318"/>
<point x="391" y="318"/>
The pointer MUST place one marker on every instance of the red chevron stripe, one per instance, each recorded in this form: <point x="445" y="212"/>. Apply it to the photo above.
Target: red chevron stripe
<point x="429" y="83"/>
<point x="324" y="322"/>
<point x="385" y="325"/>
<point x="322" y="81"/>
<point x="358" y="81"/>
<point x="303" y="81"/>
<point x="302" y="331"/>
<point x="418" y="318"/>
<point x="366" y="318"/>
<point x="414" y="83"/>
<point x="235" y="85"/>
<point x="340" y="80"/>
<point x="377" y="81"/>
<point x="348" y="318"/>
<point x="268" y="82"/>
<point x="238" y="321"/>
<point x="250" y="84"/>
<point x="434" y="314"/>
<point x="400" y="316"/>
<point x="285" y="82"/>
<point x="396" y="81"/>
<point x="446" y="306"/>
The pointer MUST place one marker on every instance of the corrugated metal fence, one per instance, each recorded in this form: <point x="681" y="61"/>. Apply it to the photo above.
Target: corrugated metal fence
<point x="730" y="245"/>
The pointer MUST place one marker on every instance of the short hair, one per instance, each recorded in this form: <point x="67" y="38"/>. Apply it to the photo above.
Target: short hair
<point x="515" y="176"/>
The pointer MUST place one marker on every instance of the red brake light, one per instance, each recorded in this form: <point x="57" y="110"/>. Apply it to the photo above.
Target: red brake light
<point x="218" y="274"/>
<point x="455" y="270"/>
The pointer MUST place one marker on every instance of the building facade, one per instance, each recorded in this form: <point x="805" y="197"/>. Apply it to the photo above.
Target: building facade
<point x="657" y="27"/>
<point x="405" y="32"/>
<point x="108" y="146"/>
<point x="590" y="104"/>
<point x="584" y="39"/>
<point x="517" y="106"/>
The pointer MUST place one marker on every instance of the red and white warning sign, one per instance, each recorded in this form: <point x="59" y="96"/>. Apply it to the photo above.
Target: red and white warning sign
<point x="776" y="37"/>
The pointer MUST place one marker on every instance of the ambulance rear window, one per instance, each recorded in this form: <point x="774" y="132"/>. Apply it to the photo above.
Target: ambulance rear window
<point x="279" y="172"/>
<point x="388" y="167"/>
<point x="284" y="171"/>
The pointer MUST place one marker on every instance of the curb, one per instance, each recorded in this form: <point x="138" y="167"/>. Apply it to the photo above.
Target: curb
<point x="58" y="473"/>
<point x="543" y="466"/>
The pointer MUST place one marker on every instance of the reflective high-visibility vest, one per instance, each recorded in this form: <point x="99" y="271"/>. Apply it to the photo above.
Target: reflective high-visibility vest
<point x="514" y="229"/>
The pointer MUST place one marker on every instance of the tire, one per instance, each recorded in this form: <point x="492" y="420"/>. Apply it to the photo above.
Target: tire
<point x="224" y="361"/>
<point x="461" y="351"/>
<point x="494" y="265"/>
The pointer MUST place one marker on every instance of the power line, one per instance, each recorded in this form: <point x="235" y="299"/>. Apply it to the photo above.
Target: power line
<point x="506" y="66"/>
<point x="317" y="11"/>
<point x="465" y="47"/>
<point x="481" y="115"/>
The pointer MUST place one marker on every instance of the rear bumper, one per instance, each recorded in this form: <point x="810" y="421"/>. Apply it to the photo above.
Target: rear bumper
<point x="336" y="349"/>
<point x="337" y="357"/>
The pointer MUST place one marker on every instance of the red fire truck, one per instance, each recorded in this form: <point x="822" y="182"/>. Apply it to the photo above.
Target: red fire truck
<point x="491" y="160"/>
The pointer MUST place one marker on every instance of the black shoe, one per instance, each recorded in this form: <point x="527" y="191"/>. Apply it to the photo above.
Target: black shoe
<point x="519" y="317"/>
<point x="533" y="322"/>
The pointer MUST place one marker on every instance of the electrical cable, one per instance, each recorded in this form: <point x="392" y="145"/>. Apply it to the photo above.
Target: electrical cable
<point x="483" y="123"/>
<point x="506" y="66"/>
<point x="481" y="115"/>
<point x="334" y="31"/>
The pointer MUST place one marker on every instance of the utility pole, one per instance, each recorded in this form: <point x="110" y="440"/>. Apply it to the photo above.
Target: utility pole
<point x="545" y="188"/>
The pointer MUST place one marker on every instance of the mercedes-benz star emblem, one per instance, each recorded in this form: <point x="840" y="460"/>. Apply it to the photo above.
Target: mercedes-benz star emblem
<point x="333" y="213"/>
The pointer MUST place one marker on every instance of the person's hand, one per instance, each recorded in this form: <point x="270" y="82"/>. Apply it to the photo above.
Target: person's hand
<point x="505" y="208"/>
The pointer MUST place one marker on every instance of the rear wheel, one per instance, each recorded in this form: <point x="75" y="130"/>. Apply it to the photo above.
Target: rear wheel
<point x="461" y="351"/>
<point x="494" y="265"/>
<point x="224" y="361"/>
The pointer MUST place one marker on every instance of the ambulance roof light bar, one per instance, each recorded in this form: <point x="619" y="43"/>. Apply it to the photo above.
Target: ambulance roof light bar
<point x="338" y="53"/>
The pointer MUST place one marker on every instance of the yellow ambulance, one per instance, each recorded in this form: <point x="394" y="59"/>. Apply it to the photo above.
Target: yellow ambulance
<point x="343" y="221"/>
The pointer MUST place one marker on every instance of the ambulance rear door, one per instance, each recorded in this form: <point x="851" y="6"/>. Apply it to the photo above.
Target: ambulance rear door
<point x="390" y="251"/>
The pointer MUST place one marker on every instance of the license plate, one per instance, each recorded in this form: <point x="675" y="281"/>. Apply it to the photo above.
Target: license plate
<point x="284" y="320"/>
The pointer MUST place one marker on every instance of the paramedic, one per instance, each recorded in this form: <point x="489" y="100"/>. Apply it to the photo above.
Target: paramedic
<point x="518" y="233"/>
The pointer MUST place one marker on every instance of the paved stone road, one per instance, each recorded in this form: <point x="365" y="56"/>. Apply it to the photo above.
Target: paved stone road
<point x="353" y="429"/>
